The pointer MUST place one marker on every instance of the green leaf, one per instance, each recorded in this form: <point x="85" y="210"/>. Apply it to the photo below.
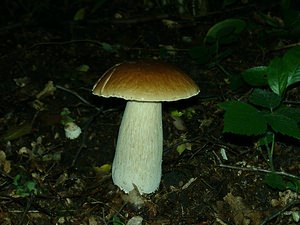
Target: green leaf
<point x="176" y="113"/>
<point x="225" y="32"/>
<point x="66" y="116"/>
<point x="293" y="113"/>
<point x="285" y="71"/>
<point x="256" y="76"/>
<point x="181" y="148"/>
<point x="80" y="14"/>
<point x="110" y="48"/>
<point x="277" y="76"/>
<point x="189" y="112"/>
<point x="264" y="98"/>
<point x="283" y="125"/>
<point x="31" y="187"/>
<point x="117" y="221"/>
<point x="294" y="185"/>
<point x="275" y="181"/>
<point x="23" y="186"/>
<point x="291" y="60"/>
<point x="244" y="119"/>
<point x="83" y="68"/>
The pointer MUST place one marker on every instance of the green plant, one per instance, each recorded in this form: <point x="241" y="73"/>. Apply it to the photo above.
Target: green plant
<point x="286" y="23"/>
<point x="179" y="124"/>
<point x="116" y="221"/>
<point x="282" y="183"/>
<point x="188" y="112"/>
<point x="66" y="117"/>
<point x="222" y="33"/>
<point x="87" y="9"/>
<point x="265" y="113"/>
<point x="24" y="186"/>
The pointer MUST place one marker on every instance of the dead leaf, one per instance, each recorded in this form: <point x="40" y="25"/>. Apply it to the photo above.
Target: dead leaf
<point x="178" y="123"/>
<point x="285" y="198"/>
<point x="48" y="90"/>
<point x="134" y="197"/>
<point x="16" y="132"/>
<point x="242" y="214"/>
<point x="5" y="164"/>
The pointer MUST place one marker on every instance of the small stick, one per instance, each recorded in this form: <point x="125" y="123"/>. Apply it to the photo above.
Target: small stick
<point x="78" y="96"/>
<point x="254" y="169"/>
<point x="84" y="138"/>
<point x="292" y="203"/>
<point x="88" y="123"/>
<point x="26" y="209"/>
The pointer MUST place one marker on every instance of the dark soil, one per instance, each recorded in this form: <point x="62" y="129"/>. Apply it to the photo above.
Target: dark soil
<point x="47" y="178"/>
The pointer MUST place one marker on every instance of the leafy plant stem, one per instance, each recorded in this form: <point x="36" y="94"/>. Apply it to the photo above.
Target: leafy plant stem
<point x="270" y="152"/>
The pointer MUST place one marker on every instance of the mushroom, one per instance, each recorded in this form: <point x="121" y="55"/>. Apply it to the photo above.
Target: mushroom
<point x="145" y="84"/>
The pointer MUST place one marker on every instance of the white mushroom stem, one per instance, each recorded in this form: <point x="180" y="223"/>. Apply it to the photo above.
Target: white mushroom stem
<point x="138" y="156"/>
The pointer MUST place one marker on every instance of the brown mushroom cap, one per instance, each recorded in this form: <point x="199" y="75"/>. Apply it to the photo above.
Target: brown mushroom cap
<point x="145" y="81"/>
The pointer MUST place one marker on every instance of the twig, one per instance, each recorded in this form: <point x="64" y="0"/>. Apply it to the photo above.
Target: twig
<point x="291" y="102"/>
<point x="98" y="43"/>
<point x="286" y="46"/>
<point x="67" y="42"/>
<point x="84" y="137"/>
<point x="254" y="169"/>
<point x="28" y="204"/>
<point x="116" y="211"/>
<point x="135" y="20"/>
<point x="198" y="150"/>
<point x="87" y="102"/>
<point x="295" y="202"/>
<point x="78" y="96"/>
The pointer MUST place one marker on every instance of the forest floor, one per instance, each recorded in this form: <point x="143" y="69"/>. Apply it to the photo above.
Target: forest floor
<point x="47" y="178"/>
